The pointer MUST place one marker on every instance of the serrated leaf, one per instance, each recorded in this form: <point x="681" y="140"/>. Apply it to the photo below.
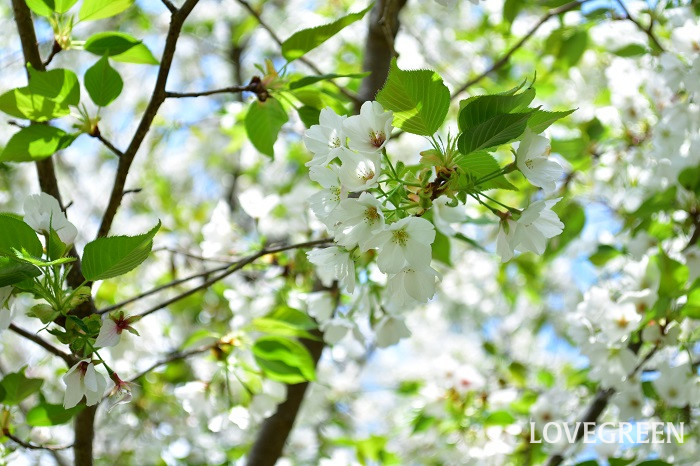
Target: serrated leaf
<point x="18" y="387"/>
<point x="13" y="272"/>
<point x="479" y="165"/>
<point x="478" y="109"/>
<point x="116" y="255"/>
<point x="17" y="235"/>
<point x="308" y="80"/>
<point x="263" y="123"/>
<point x="418" y="98"/>
<point x="46" y="414"/>
<point x="35" y="142"/>
<point x="305" y="40"/>
<point x="493" y="132"/>
<point x="103" y="83"/>
<point x="92" y="10"/>
<point x="542" y="119"/>
<point x="284" y="360"/>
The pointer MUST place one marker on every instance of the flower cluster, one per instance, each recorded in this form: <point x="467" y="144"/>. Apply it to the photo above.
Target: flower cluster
<point x="347" y="163"/>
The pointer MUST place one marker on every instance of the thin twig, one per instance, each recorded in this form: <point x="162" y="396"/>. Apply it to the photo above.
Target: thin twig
<point x="177" y="356"/>
<point x="157" y="98"/>
<point x="97" y="135"/>
<point x="646" y="30"/>
<point x="33" y="446"/>
<point x="225" y="90"/>
<point x="67" y="358"/>
<point x="55" y="49"/>
<point x="168" y="4"/>
<point x="504" y="59"/>
<point x="226" y="270"/>
<point x="193" y="256"/>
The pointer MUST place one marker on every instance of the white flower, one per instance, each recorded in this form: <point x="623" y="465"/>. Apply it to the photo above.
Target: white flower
<point x="405" y="243"/>
<point x="334" y="263"/>
<point x="620" y="320"/>
<point x="536" y="224"/>
<point x="219" y="232"/>
<point x="417" y="283"/>
<point x="320" y="306"/>
<point x="444" y="215"/>
<point x="335" y="329"/>
<point x="358" y="220"/>
<point x="505" y="243"/>
<point x="390" y="330"/>
<point x="83" y="380"/>
<point x="326" y="139"/>
<point x="112" y="328"/>
<point x="652" y="333"/>
<point x="673" y="385"/>
<point x="323" y="203"/>
<point x="359" y="172"/>
<point x="43" y="213"/>
<point x="630" y="401"/>
<point x="533" y="161"/>
<point x="370" y="130"/>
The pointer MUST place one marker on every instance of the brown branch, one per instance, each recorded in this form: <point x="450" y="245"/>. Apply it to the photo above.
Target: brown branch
<point x="55" y="49"/>
<point x="229" y="270"/>
<point x="168" y="4"/>
<point x="225" y="90"/>
<point x="346" y="92"/>
<point x="504" y="59"/>
<point x="33" y="446"/>
<point x="158" y="97"/>
<point x="598" y="405"/>
<point x="649" y="31"/>
<point x="69" y="359"/>
<point x="97" y="135"/>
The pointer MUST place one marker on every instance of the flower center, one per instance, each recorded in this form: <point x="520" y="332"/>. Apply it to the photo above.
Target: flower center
<point x="529" y="164"/>
<point x="365" y="173"/>
<point x="371" y="214"/>
<point x="335" y="191"/>
<point x="400" y="237"/>
<point x="377" y="138"/>
<point x="334" y="143"/>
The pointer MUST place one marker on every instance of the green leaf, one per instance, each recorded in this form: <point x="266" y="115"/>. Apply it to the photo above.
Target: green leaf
<point x="478" y="165"/>
<point x="689" y="178"/>
<point x="41" y="7"/>
<point x="116" y="255"/>
<point x="673" y="275"/>
<point x="281" y="328"/>
<point x="308" y="39"/>
<point x="441" y="248"/>
<point x="493" y="132"/>
<point x="478" y="109"/>
<point x="294" y="317"/>
<point x="18" y="387"/>
<point x="138" y="54"/>
<point x="13" y="272"/>
<point x="418" y="98"/>
<point x="309" y="115"/>
<point x="308" y="80"/>
<point x="92" y="10"/>
<point x="603" y="254"/>
<point x="17" y="235"/>
<point x="631" y="50"/>
<point x="60" y="85"/>
<point x="499" y="418"/>
<point x="691" y="308"/>
<point x="35" y="142"/>
<point x="284" y="360"/>
<point x="61" y="6"/>
<point x="21" y="103"/>
<point x="263" y="123"/>
<point x="541" y="119"/>
<point x="46" y="414"/>
<point x="110" y="43"/>
<point x="573" y="217"/>
<point x="103" y="83"/>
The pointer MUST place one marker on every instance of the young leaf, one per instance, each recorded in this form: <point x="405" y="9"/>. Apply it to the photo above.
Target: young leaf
<point x="478" y="109"/>
<point x="35" y="142"/>
<point x="92" y="10"/>
<point x="308" y="80"/>
<point x="46" y="414"/>
<point x="493" y="132"/>
<point x="21" y="103"/>
<point x="18" y="387"/>
<point x="62" y="6"/>
<point x="308" y="39"/>
<point x="138" y="54"/>
<point x="284" y="360"/>
<point x="103" y="83"/>
<point x="418" y="98"/>
<point x="263" y="123"/>
<point x="116" y="255"/>
<point x="541" y="119"/>
<point x="41" y="7"/>
<point x="60" y="85"/>
<point x="110" y="43"/>
<point x="17" y="235"/>
<point x="12" y="271"/>
<point x="480" y="165"/>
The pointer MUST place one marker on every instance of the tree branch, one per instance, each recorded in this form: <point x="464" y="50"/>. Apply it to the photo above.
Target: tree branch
<point x="176" y="356"/>
<point x="229" y="270"/>
<point x="32" y="446"/>
<point x="158" y="97"/>
<point x="97" y="135"/>
<point x="225" y="90"/>
<point x="69" y="359"/>
<point x="168" y="4"/>
<point x="504" y="59"/>
<point x="649" y="31"/>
